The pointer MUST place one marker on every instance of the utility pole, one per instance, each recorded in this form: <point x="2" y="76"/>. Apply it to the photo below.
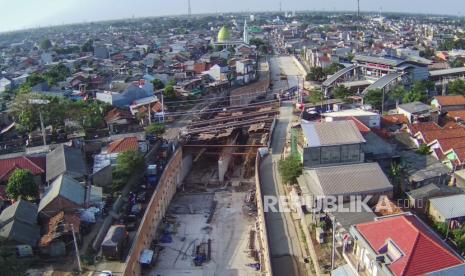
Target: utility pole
<point x="358" y="9"/>
<point x="76" y="249"/>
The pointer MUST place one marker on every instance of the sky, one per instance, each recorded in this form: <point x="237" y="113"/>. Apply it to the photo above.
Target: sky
<point x="19" y="14"/>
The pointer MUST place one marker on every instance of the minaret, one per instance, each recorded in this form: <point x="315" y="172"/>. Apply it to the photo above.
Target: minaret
<point x="246" y="33"/>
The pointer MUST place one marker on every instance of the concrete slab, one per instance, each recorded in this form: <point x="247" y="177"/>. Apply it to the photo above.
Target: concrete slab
<point x="229" y="232"/>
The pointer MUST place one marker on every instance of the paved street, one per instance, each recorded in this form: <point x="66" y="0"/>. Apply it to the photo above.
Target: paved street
<point x="286" y="251"/>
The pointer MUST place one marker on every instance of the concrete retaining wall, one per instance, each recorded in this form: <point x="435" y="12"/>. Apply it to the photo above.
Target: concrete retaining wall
<point x="155" y="211"/>
<point x="262" y="231"/>
<point x="302" y="69"/>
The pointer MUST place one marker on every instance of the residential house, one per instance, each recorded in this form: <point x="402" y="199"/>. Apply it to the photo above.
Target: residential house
<point x="245" y="71"/>
<point x="421" y="170"/>
<point x="65" y="194"/>
<point x="119" y="120"/>
<point x="18" y="223"/>
<point x="415" y="111"/>
<point x="219" y="73"/>
<point x="59" y="231"/>
<point x="447" y="208"/>
<point x="103" y="162"/>
<point x="36" y="165"/>
<point x="345" y="180"/>
<point x="399" y="245"/>
<point x="65" y="160"/>
<point x="448" y="103"/>
<point x="123" y="95"/>
<point x="331" y="143"/>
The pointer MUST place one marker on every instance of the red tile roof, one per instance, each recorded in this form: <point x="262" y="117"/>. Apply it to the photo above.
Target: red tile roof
<point x="117" y="114"/>
<point x="430" y="136"/>
<point x="454" y="115"/>
<point x="421" y="127"/>
<point x="36" y="165"/>
<point x="394" y="119"/>
<point x="450" y="100"/>
<point x="423" y="252"/>
<point x="124" y="144"/>
<point x="451" y="143"/>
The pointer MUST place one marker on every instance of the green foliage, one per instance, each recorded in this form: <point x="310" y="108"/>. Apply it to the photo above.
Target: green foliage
<point x="169" y="92"/>
<point x="457" y="87"/>
<point x="88" y="114"/>
<point x="316" y="96"/>
<point x="315" y="74"/>
<point x="290" y="168"/>
<point x="45" y="44"/>
<point x="423" y="149"/>
<point x="396" y="174"/>
<point x="341" y="92"/>
<point x="456" y="63"/>
<point x="450" y="44"/>
<point x="419" y="92"/>
<point x="155" y="129"/>
<point x="21" y="184"/>
<point x="57" y="73"/>
<point x="157" y="84"/>
<point x="127" y="163"/>
<point x="333" y="68"/>
<point x="261" y="45"/>
<point x="374" y="98"/>
<point x="88" y="46"/>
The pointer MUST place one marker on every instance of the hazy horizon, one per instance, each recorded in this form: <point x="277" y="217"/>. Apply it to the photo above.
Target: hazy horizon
<point x="23" y="14"/>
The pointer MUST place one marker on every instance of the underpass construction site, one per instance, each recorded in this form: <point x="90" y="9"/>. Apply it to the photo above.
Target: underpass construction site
<point x="211" y="226"/>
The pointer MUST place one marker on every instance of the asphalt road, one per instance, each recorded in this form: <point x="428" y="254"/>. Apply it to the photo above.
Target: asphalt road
<point x="286" y="250"/>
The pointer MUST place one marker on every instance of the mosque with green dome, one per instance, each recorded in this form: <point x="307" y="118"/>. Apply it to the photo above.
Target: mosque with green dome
<point x="224" y="38"/>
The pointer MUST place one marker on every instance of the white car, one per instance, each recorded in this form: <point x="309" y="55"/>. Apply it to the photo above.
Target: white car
<point x="106" y="273"/>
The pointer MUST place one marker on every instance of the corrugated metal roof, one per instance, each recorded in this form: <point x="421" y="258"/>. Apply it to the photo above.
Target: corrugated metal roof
<point x="65" y="159"/>
<point x="350" y="179"/>
<point x="331" y="133"/>
<point x="66" y="187"/>
<point x="438" y="73"/>
<point x="449" y="206"/>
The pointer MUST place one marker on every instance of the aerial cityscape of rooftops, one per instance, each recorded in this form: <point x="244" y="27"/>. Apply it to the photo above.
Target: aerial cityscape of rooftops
<point x="249" y="143"/>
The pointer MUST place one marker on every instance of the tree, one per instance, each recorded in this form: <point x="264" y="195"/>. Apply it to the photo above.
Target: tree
<point x="419" y="92"/>
<point x="316" y="74"/>
<point x="21" y="184"/>
<point x="290" y="168"/>
<point x="333" y="68"/>
<point x="316" y="96"/>
<point x="127" y="163"/>
<point x="155" y="129"/>
<point x="396" y="173"/>
<point x="397" y="94"/>
<point x="456" y="63"/>
<point x="457" y="87"/>
<point x="374" y="98"/>
<point x="423" y="149"/>
<point x="45" y="44"/>
<point x="88" y="46"/>
<point x="341" y="92"/>
<point x="158" y="84"/>
<point x="169" y="92"/>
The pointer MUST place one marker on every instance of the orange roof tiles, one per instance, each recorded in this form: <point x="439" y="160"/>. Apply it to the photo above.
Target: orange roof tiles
<point x="450" y="100"/>
<point x="454" y="115"/>
<point x="124" y="144"/>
